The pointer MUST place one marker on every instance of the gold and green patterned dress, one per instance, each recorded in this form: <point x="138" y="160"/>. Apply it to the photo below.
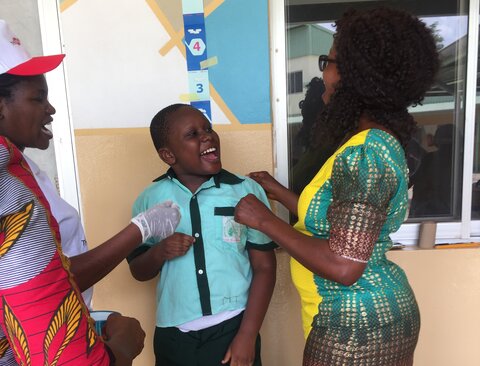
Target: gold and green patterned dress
<point x="357" y="200"/>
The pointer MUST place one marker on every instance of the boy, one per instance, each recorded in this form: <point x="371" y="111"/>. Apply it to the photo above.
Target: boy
<point x="216" y="276"/>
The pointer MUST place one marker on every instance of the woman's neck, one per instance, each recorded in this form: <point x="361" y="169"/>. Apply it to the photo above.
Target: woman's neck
<point x="366" y="123"/>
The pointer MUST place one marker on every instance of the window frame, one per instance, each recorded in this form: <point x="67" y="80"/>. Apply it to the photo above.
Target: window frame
<point x="408" y="233"/>
<point x="63" y="133"/>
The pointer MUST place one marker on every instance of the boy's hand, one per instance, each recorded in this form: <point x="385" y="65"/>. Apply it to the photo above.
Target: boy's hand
<point x="175" y="245"/>
<point x="241" y="351"/>
<point x="158" y="221"/>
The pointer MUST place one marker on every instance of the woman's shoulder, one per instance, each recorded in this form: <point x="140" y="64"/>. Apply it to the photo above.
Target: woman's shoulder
<point x="382" y="136"/>
<point x="373" y="142"/>
<point x="374" y="150"/>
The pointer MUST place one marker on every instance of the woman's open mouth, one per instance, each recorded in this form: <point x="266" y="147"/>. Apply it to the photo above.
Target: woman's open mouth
<point x="46" y="131"/>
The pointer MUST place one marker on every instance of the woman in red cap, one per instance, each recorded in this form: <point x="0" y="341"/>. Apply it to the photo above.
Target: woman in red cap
<point x="42" y="313"/>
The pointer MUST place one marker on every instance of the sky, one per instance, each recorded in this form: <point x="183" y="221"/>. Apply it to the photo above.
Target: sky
<point x="450" y="28"/>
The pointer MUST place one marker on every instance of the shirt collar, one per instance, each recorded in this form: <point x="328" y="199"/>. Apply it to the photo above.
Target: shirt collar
<point x="223" y="177"/>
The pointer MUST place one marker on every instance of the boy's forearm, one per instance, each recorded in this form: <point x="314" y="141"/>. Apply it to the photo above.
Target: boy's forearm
<point x="147" y="265"/>
<point x="261" y="290"/>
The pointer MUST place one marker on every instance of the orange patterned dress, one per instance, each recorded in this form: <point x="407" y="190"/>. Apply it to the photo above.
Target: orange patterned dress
<point x="42" y="313"/>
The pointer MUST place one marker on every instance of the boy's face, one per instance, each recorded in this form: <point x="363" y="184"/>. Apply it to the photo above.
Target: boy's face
<point x="193" y="148"/>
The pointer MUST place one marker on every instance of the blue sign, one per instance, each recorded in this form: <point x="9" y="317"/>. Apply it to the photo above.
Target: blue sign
<point x="196" y="50"/>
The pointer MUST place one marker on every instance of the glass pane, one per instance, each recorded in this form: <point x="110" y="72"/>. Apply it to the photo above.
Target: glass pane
<point x="435" y="154"/>
<point x="476" y="157"/>
<point x="23" y="19"/>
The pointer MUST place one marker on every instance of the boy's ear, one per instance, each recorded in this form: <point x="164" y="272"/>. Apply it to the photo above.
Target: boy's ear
<point x="166" y="155"/>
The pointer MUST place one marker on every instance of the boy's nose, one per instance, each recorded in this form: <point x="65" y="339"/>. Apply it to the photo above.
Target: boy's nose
<point x="206" y="136"/>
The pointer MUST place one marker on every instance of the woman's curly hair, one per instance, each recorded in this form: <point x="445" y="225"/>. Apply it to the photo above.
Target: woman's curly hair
<point x="387" y="60"/>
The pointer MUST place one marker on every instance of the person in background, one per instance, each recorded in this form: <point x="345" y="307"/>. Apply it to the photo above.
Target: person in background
<point x="313" y="154"/>
<point x="432" y="183"/>
<point x="43" y="317"/>
<point x="381" y="62"/>
<point x="216" y="276"/>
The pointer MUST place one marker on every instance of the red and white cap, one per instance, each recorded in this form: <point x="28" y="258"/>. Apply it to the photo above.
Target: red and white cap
<point x="15" y="60"/>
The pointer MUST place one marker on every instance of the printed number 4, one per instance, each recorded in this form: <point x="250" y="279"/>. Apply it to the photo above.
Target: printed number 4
<point x="197" y="47"/>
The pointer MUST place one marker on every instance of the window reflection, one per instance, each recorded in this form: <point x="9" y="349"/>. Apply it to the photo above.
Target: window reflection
<point x="476" y="158"/>
<point x="435" y="154"/>
<point x="435" y="173"/>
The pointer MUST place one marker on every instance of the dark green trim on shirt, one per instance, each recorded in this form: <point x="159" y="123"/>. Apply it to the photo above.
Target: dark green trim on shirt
<point x="138" y="251"/>
<point x="223" y="176"/>
<point x="262" y="247"/>
<point x="224" y="211"/>
<point x="199" y="256"/>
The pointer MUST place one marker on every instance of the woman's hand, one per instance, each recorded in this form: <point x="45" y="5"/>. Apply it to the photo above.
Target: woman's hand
<point x="159" y="221"/>
<point x="271" y="186"/>
<point x="250" y="211"/>
<point x="125" y="338"/>
<point x="276" y="191"/>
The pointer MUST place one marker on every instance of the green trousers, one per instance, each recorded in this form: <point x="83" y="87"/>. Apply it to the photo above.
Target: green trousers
<point x="205" y="347"/>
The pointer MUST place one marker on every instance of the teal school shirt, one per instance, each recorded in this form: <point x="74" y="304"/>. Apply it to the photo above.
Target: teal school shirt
<point x="215" y="274"/>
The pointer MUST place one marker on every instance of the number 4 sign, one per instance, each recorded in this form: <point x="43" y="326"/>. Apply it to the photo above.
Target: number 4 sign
<point x="197" y="47"/>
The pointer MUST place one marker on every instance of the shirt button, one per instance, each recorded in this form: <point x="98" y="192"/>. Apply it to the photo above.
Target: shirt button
<point x="196" y="235"/>
<point x="200" y="271"/>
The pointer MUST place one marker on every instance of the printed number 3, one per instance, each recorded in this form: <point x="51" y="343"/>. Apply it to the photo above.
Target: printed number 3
<point x="199" y="88"/>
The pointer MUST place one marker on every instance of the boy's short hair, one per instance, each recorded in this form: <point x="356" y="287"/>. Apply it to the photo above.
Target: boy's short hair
<point x="160" y="125"/>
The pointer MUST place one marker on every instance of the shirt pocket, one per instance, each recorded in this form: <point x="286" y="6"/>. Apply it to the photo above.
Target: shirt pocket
<point x="229" y="233"/>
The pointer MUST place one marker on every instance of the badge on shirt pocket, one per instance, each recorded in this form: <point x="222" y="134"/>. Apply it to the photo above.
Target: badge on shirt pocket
<point x="231" y="230"/>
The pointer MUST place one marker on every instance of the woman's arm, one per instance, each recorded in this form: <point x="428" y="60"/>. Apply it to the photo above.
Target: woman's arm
<point x="90" y="267"/>
<point x="313" y="253"/>
<point x="159" y="222"/>
<point x="275" y="191"/>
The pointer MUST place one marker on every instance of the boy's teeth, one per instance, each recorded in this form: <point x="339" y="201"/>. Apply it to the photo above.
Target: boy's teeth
<point x="212" y="149"/>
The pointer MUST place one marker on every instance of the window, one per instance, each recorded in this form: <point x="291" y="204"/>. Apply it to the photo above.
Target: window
<point x="295" y="82"/>
<point x="445" y="148"/>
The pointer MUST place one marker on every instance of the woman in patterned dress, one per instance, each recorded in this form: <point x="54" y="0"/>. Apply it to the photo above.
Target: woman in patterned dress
<point x="43" y="318"/>
<point x="381" y="62"/>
